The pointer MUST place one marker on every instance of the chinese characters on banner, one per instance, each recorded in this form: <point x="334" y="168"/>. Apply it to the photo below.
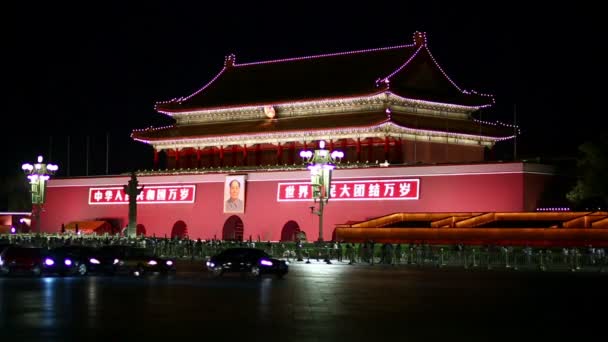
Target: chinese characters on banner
<point x="393" y="189"/>
<point x="150" y="194"/>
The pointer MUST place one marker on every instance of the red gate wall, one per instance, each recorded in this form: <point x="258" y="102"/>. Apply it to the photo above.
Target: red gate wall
<point x="453" y="188"/>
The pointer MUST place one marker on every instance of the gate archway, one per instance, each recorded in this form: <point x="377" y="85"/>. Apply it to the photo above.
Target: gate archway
<point x="140" y="229"/>
<point x="290" y="231"/>
<point x="180" y="230"/>
<point x="233" y="229"/>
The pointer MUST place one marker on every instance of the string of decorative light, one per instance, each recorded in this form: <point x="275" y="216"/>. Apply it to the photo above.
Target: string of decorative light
<point x="499" y="123"/>
<point x="331" y="102"/>
<point x="182" y="99"/>
<point x="386" y="79"/>
<point x="293" y="59"/>
<point x="553" y="209"/>
<point x="467" y="92"/>
<point x="321" y="134"/>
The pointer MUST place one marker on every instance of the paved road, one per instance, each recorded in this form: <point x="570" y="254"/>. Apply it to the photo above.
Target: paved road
<point x="315" y="302"/>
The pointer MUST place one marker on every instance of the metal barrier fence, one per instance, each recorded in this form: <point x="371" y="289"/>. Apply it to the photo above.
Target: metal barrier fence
<point x="468" y="257"/>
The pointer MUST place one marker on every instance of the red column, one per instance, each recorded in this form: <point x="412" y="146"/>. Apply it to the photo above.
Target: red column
<point x="245" y="154"/>
<point x="155" y="158"/>
<point x="221" y="161"/>
<point x="279" y="154"/>
<point x="370" y="149"/>
<point x="177" y="164"/>
<point x="386" y="147"/>
<point x="400" y="158"/>
<point x="358" y="149"/>
<point x="198" y="157"/>
<point x="257" y="155"/>
<point x="292" y="153"/>
<point x="234" y="151"/>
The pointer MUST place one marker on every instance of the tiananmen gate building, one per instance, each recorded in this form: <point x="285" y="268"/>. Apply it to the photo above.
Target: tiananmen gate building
<point x="409" y="133"/>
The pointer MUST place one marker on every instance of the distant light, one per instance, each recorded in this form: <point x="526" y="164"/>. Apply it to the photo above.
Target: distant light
<point x="322" y="144"/>
<point x="13" y="230"/>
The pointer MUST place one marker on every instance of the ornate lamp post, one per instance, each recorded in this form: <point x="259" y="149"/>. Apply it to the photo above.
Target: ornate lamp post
<point x="321" y="162"/>
<point x="38" y="174"/>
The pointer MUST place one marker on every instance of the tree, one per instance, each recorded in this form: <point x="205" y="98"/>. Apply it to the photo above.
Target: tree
<point x="15" y="193"/>
<point x="591" y="188"/>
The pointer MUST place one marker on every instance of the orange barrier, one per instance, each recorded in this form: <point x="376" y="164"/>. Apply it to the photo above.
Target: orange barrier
<point x="563" y="237"/>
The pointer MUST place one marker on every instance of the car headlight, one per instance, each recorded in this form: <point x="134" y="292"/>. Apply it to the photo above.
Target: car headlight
<point x="265" y="262"/>
<point x="116" y="261"/>
<point x="210" y="264"/>
<point x="152" y="262"/>
<point x="169" y="263"/>
<point x="49" y="262"/>
<point x="94" y="261"/>
<point x="286" y="262"/>
<point x="67" y="262"/>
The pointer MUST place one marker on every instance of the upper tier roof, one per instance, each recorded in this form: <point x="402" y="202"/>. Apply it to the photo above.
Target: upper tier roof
<point x="407" y="70"/>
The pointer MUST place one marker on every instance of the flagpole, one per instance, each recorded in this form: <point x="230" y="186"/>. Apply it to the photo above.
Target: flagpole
<point x="515" y="131"/>
<point x="51" y="148"/>
<point x="68" y="168"/>
<point x="107" y="151"/>
<point x="87" y="157"/>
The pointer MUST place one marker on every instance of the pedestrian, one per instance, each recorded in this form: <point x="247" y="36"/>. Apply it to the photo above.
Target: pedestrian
<point x="349" y="253"/>
<point x="398" y="254"/>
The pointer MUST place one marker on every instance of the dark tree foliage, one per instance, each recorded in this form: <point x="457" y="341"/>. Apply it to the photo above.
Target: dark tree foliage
<point x="591" y="189"/>
<point x="15" y="194"/>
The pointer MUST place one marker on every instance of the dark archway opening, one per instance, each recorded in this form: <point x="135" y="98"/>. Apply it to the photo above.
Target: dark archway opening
<point x="290" y="231"/>
<point x="140" y="230"/>
<point x="180" y="230"/>
<point x="233" y="229"/>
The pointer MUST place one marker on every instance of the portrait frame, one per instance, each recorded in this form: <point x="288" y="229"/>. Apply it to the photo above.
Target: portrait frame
<point x="234" y="205"/>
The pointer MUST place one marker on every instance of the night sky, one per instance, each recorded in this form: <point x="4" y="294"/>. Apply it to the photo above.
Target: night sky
<point x="97" y="69"/>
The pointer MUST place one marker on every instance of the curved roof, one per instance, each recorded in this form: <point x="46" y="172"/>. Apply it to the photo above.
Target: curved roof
<point x="408" y="70"/>
<point x="328" y="122"/>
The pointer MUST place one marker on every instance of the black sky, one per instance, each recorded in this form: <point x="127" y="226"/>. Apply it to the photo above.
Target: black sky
<point x="98" y="68"/>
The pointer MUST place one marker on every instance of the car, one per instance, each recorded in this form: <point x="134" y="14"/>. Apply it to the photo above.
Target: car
<point x="3" y="246"/>
<point x="137" y="261"/>
<point x="252" y="261"/>
<point x="20" y="259"/>
<point x="73" y="259"/>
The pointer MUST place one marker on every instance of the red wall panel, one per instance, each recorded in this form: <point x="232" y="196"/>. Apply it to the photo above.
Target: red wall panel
<point x="442" y="189"/>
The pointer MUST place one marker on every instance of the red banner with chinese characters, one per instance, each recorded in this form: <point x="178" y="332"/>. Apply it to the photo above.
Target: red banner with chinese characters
<point x="368" y="190"/>
<point x="157" y="194"/>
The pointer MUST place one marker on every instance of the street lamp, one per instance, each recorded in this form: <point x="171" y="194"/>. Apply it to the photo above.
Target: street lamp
<point x="321" y="162"/>
<point x="38" y="174"/>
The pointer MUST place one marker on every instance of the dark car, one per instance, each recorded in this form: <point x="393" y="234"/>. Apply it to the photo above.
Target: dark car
<point x="246" y="260"/>
<point x="3" y="246"/>
<point x="74" y="259"/>
<point x="134" y="260"/>
<point x="19" y="259"/>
